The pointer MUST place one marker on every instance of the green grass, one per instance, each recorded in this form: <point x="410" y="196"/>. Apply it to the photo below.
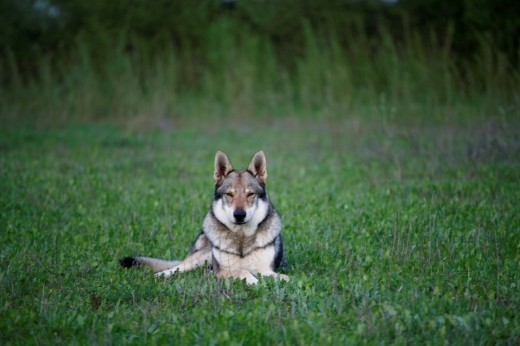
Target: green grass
<point x="394" y="234"/>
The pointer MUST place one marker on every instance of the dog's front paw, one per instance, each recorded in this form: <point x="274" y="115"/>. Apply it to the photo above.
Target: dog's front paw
<point x="283" y="277"/>
<point x="251" y="280"/>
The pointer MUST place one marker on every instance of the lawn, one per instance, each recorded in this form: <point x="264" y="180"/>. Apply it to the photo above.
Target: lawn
<point x="395" y="232"/>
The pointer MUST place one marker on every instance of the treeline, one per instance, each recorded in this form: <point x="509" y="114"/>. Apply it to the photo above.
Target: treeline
<point x="31" y="29"/>
<point x="97" y="59"/>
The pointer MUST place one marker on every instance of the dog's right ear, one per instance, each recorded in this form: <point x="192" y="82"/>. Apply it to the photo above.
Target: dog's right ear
<point x="222" y="166"/>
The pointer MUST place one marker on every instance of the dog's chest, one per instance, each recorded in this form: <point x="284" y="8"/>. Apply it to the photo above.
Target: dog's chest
<point x="259" y="260"/>
<point x="238" y="243"/>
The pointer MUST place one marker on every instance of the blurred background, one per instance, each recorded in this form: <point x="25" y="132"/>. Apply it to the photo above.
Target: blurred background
<point x="167" y="63"/>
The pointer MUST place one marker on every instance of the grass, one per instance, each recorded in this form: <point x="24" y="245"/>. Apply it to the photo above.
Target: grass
<point x="395" y="233"/>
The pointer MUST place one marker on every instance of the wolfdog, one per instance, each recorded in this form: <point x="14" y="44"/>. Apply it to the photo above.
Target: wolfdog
<point x="240" y="235"/>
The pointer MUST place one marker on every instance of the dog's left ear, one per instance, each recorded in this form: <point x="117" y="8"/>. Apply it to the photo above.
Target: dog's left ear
<point x="258" y="166"/>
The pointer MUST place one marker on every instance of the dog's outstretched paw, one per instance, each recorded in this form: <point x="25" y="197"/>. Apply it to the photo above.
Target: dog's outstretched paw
<point x="283" y="277"/>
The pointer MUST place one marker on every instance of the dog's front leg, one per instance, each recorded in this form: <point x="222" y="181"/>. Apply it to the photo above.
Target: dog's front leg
<point x="193" y="260"/>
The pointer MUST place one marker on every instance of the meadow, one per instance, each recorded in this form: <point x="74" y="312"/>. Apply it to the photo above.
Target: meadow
<point x="395" y="168"/>
<point x="393" y="235"/>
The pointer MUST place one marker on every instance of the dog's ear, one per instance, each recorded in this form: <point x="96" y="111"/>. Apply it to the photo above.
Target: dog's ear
<point x="258" y="166"/>
<point x="222" y="166"/>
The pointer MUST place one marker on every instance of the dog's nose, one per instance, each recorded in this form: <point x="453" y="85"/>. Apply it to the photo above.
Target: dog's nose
<point x="240" y="215"/>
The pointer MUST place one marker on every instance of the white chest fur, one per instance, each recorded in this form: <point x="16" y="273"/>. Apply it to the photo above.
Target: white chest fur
<point x="258" y="261"/>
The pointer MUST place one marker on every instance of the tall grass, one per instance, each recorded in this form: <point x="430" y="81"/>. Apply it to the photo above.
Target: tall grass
<point x="240" y="73"/>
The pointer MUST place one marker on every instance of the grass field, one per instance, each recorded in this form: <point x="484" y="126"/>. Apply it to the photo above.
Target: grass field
<point x="394" y="233"/>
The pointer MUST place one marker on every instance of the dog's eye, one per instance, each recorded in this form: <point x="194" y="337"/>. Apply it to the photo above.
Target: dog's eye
<point x="250" y="194"/>
<point x="229" y="194"/>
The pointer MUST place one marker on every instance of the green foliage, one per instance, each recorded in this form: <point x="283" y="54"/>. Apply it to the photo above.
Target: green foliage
<point x="238" y="73"/>
<point x="54" y="25"/>
<point x="169" y="59"/>
<point x="394" y="234"/>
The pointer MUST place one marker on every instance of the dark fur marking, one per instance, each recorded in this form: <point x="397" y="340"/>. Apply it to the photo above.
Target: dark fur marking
<point x="266" y="245"/>
<point x="215" y="265"/>
<point x="217" y="195"/>
<point x="262" y="195"/>
<point x="242" y="255"/>
<point x="128" y="262"/>
<point x="194" y="248"/>
<point x="278" y="252"/>
<point x="236" y="253"/>
<point x="267" y="216"/>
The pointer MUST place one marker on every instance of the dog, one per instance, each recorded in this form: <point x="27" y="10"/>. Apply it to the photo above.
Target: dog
<point x="241" y="231"/>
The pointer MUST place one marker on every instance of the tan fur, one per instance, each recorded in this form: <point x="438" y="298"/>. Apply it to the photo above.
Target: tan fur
<point x="192" y="261"/>
<point x="156" y="264"/>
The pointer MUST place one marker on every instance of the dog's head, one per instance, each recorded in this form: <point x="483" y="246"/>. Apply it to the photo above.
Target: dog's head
<point x="240" y="195"/>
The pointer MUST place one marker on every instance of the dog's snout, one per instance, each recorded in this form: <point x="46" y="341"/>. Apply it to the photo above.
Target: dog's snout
<point x="240" y="215"/>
